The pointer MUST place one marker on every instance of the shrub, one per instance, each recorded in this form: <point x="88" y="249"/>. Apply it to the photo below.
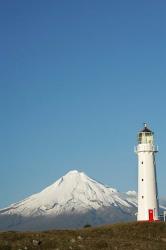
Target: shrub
<point x="87" y="225"/>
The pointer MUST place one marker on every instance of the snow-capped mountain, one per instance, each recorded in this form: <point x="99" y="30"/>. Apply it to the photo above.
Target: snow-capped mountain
<point x="71" y="202"/>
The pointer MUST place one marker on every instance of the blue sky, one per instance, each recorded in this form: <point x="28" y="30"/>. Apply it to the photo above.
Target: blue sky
<point x="78" y="79"/>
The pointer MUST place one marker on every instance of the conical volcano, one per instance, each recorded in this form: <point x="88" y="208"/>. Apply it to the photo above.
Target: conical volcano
<point x="71" y="202"/>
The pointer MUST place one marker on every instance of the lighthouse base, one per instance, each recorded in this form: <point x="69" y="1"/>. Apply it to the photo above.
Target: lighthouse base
<point x="148" y="220"/>
<point x="149" y="216"/>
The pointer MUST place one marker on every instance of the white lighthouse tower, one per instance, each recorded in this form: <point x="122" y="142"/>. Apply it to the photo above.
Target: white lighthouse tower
<point x="147" y="182"/>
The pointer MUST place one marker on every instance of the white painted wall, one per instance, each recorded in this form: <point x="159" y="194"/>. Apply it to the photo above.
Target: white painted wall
<point x="147" y="182"/>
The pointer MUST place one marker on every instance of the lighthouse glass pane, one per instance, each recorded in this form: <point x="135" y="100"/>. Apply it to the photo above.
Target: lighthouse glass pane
<point x="140" y="138"/>
<point x="149" y="138"/>
<point x="145" y="138"/>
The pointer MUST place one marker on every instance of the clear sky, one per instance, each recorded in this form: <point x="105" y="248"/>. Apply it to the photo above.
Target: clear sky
<point x="78" y="79"/>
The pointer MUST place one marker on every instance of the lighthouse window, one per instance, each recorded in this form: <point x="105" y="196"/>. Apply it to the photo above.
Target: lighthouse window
<point x="142" y="179"/>
<point x="142" y="162"/>
<point x="142" y="196"/>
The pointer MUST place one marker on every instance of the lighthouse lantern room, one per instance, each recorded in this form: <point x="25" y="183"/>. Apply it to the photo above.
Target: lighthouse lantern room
<point x="147" y="182"/>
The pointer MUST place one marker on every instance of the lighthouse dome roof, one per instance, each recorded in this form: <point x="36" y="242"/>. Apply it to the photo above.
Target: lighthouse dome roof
<point x="145" y="129"/>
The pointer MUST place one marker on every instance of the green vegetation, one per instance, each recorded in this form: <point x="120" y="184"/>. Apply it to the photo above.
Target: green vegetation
<point x="127" y="236"/>
<point x="87" y="225"/>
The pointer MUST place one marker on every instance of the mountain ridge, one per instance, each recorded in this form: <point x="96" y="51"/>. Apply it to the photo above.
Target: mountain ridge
<point x="70" y="202"/>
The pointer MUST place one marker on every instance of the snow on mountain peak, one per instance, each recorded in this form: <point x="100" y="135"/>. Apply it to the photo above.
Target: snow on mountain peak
<point x="74" y="191"/>
<point x="73" y="172"/>
<point x="74" y="195"/>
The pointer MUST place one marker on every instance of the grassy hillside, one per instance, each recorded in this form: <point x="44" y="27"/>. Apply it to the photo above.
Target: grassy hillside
<point x="127" y="236"/>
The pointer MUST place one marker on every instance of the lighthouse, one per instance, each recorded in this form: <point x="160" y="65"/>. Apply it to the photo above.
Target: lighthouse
<point x="147" y="182"/>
